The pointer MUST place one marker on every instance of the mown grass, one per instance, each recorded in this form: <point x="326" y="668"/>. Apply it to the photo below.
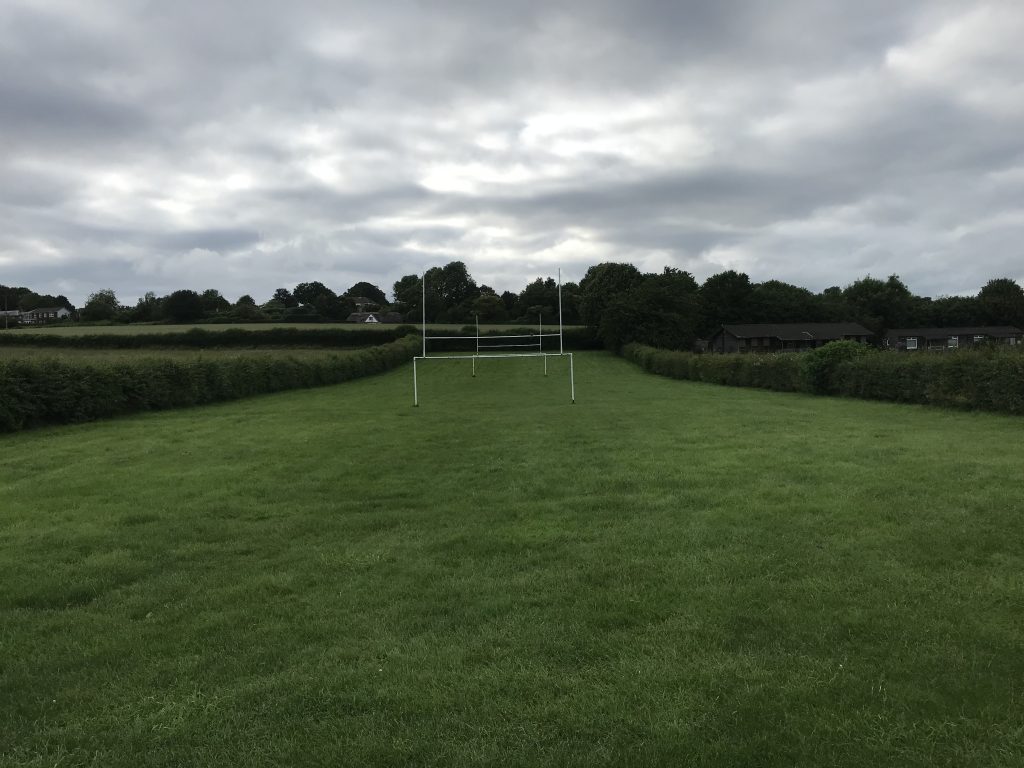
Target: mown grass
<point x="666" y="573"/>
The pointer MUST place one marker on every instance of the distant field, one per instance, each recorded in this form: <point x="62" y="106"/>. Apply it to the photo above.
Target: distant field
<point x="132" y="329"/>
<point x="665" y="574"/>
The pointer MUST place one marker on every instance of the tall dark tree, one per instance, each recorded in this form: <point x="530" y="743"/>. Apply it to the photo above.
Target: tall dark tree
<point x="146" y="309"/>
<point x="284" y="296"/>
<point x="603" y="283"/>
<point x="184" y="306"/>
<point x="369" y="290"/>
<point x="663" y="310"/>
<point x="774" y="301"/>
<point x="726" y="298"/>
<point x="213" y="302"/>
<point x="1001" y="302"/>
<point x="102" y="305"/>
<point x="539" y="298"/>
<point x="878" y="304"/>
<point x="308" y="293"/>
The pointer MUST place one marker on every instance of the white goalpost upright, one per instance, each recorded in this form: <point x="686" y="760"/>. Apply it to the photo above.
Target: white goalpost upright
<point x="526" y="343"/>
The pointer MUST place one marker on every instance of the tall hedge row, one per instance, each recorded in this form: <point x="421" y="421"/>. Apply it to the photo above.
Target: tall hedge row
<point x="991" y="380"/>
<point x="39" y="391"/>
<point x="573" y="339"/>
<point x="232" y="338"/>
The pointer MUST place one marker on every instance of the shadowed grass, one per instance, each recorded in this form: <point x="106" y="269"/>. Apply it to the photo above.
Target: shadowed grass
<point x="665" y="573"/>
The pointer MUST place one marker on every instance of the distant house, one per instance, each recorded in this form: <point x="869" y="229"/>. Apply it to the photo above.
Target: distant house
<point x="783" y="337"/>
<point x="374" y="317"/>
<point x="44" y="315"/>
<point x="910" y="339"/>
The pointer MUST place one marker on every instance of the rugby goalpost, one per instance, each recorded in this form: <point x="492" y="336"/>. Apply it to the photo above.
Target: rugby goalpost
<point x="526" y="343"/>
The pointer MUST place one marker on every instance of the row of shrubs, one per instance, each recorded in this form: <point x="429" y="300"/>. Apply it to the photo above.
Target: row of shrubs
<point x="231" y="338"/>
<point x="991" y="380"/>
<point x="44" y="391"/>
<point x="238" y="338"/>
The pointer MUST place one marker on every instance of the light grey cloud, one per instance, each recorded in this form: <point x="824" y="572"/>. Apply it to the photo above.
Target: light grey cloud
<point x="246" y="146"/>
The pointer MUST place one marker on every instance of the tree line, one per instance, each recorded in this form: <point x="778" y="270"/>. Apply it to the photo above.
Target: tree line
<point x="668" y="309"/>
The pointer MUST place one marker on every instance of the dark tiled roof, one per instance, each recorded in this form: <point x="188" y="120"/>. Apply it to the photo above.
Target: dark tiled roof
<point x="941" y="333"/>
<point x="46" y="310"/>
<point x="797" y="331"/>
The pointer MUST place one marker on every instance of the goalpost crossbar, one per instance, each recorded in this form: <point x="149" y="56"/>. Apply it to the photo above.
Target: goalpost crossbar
<point x="538" y="344"/>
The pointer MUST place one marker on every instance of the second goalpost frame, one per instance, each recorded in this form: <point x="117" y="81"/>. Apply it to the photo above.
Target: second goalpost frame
<point x="538" y="345"/>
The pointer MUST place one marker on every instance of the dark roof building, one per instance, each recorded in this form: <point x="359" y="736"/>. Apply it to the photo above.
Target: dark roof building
<point x="783" y="337"/>
<point x="909" y="339"/>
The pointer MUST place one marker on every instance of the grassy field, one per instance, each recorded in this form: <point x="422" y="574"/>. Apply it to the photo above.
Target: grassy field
<point x="666" y="573"/>
<point x="79" y="330"/>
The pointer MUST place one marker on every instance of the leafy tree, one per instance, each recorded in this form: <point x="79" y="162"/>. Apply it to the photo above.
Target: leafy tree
<point x="146" y="310"/>
<point x="878" y="305"/>
<point x="184" y="306"/>
<point x="511" y="302"/>
<point x="213" y="303"/>
<point x="489" y="308"/>
<point x="284" y="296"/>
<point x="539" y="298"/>
<point x="1001" y="302"/>
<point x="369" y="290"/>
<point x="102" y="305"/>
<point x="454" y="288"/>
<point x="951" y="311"/>
<point x="726" y="298"/>
<point x="308" y="293"/>
<point x="774" y="301"/>
<point x="603" y="283"/>
<point x="662" y="311"/>
<point x="245" y="301"/>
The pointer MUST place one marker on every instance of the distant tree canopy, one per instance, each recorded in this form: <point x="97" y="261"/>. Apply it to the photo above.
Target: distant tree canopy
<point x="102" y="305"/>
<point x="618" y="301"/>
<point x="369" y="290"/>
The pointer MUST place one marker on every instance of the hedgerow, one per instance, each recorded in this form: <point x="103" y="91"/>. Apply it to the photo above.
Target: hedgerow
<point x="991" y="380"/>
<point x="231" y="338"/>
<point x="40" y="391"/>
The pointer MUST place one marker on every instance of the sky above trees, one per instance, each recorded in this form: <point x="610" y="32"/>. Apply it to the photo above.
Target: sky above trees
<point x="147" y="146"/>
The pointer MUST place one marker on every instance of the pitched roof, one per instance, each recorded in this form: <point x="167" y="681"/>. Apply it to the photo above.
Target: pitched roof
<point x="47" y="310"/>
<point x="797" y="331"/>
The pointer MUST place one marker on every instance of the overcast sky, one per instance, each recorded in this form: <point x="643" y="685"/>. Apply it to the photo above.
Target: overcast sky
<point x="149" y="145"/>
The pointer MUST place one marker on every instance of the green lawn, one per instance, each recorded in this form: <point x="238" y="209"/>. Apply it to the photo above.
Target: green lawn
<point x="665" y="573"/>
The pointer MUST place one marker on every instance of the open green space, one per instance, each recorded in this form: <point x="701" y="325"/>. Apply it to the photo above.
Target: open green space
<point x="666" y="573"/>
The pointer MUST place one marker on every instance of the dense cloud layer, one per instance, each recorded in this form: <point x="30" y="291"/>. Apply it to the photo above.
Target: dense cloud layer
<point x="242" y="146"/>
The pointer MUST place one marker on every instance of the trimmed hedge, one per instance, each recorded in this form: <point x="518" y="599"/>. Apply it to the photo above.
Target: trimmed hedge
<point x="39" y="391"/>
<point x="198" y="338"/>
<point x="991" y="380"/>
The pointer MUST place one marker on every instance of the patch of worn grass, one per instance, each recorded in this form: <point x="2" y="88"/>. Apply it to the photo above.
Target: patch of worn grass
<point x="666" y="573"/>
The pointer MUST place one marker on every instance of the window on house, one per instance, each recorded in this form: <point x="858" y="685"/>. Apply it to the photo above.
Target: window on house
<point x="954" y="342"/>
<point x="912" y="342"/>
<point x="978" y="339"/>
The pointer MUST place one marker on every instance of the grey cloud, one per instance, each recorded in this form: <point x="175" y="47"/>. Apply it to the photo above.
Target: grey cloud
<point x="257" y="145"/>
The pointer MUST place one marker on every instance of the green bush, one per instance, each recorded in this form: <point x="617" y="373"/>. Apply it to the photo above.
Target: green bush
<point x="231" y="338"/>
<point x="39" y="391"/>
<point x="820" y="364"/>
<point x="988" y="379"/>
